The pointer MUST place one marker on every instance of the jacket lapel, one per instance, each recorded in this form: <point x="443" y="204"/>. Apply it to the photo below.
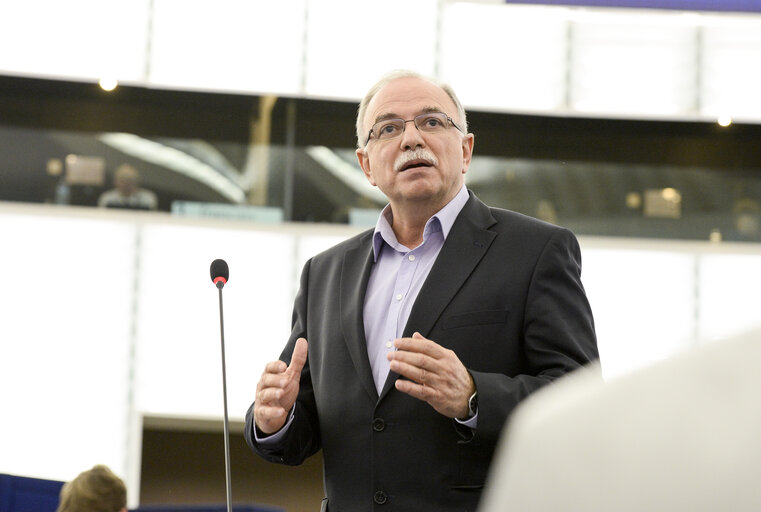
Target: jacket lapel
<point x="355" y="274"/>
<point x="465" y="246"/>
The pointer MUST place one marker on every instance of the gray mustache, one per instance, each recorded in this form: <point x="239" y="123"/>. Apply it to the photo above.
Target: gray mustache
<point x="416" y="154"/>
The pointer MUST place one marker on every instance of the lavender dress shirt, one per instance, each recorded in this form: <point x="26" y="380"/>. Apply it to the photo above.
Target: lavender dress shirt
<point x="395" y="281"/>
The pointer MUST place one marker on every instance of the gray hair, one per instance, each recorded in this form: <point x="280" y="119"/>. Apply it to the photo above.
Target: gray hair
<point x="395" y="75"/>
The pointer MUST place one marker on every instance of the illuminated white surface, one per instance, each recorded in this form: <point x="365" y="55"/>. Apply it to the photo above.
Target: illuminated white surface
<point x="643" y="304"/>
<point x="601" y="62"/>
<point x="64" y="342"/>
<point x="179" y="356"/>
<point x="730" y="295"/>
<point x="643" y="64"/>
<point x="350" y="44"/>
<point x="505" y="56"/>
<point x="230" y="45"/>
<point x="730" y="69"/>
<point x="79" y="39"/>
<point x="66" y="325"/>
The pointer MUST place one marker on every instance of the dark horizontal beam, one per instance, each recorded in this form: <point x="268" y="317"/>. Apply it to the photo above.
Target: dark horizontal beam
<point x="47" y="104"/>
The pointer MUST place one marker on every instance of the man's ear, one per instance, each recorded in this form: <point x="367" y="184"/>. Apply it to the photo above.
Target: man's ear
<point x="468" y="141"/>
<point x="364" y="163"/>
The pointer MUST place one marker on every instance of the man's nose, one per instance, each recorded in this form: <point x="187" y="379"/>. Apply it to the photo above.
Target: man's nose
<point x="411" y="136"/>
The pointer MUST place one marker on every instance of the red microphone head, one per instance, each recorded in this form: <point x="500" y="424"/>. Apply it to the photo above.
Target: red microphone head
<point x="220" y="272"/>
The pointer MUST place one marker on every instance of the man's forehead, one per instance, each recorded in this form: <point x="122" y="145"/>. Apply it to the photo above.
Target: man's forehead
<point x="409" y="95"/>
<point x="380" y="116"/>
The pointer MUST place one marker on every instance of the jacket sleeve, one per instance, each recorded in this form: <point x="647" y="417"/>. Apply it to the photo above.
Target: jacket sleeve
<point x="302" y="439"/>
<point x="558" y="334"/>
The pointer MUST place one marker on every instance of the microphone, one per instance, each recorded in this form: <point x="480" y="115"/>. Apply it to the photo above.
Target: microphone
<point x="220" y="272"/>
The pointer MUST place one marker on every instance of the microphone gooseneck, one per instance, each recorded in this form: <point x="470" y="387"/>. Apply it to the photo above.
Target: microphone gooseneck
<point x="220" y="272"/>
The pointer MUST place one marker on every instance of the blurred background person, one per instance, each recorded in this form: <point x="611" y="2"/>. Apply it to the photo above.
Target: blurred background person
<point x="95" y="490"/>
<point x="127" y="192"/>
<point x="746" y="221"/>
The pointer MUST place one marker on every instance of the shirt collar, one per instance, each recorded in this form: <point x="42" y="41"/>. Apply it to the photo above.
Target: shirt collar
<point x="443" y="220"/>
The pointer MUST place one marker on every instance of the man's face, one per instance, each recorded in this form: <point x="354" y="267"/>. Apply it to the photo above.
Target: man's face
<point x="127" y="185"/>
<point x="441" y="159"/>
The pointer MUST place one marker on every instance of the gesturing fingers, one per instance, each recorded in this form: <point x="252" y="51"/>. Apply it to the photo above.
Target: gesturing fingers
<point x="278" y="388"/>
<point x="418" y="359"/>
<point x="436" y="375"/>
<point x="298" y="359"/>
<point x="417" y="344"/>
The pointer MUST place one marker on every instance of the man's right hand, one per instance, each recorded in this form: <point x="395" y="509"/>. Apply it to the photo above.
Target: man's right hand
<point x="277" y="390"/>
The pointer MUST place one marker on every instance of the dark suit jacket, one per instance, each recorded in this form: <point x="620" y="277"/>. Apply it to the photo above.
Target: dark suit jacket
<point x="504" y="293"/>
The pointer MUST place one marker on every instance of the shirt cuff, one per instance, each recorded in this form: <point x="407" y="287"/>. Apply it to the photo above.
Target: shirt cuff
<point x="272" y="439"/>
<point x="470" y="422"/>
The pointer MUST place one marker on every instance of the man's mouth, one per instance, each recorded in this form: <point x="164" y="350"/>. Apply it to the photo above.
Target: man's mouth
<point x="415" y="164"/>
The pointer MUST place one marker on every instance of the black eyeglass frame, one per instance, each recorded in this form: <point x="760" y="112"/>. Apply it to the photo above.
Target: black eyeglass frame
<point x="413" y="120"/>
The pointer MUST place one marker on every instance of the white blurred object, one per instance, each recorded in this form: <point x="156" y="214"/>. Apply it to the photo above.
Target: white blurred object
<point x="681" y="435"/>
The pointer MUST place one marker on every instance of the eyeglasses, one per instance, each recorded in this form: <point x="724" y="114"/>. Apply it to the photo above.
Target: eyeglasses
<point x="430" y="122"/>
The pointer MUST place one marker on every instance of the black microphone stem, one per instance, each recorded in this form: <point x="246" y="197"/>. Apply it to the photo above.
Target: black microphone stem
<point x="224" y="396"/>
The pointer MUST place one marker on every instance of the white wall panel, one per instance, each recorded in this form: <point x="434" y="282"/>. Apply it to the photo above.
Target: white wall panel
<point x="76" y="39"/>
<point x="228" y="45"/>
<point x="638" y="65"/>
<point x="730" y="295"/>
<point x="351" y="44"/>
<point x="505" y="57"/>
<point x="731" y="69"/>
<point x="65" y="324"/>
<point x="643" y="303"/>
<point x="619" y="63"/>
<point x="178" y="322"/>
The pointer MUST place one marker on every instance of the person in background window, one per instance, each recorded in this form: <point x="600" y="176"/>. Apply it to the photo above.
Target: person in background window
<point x="95" y="490"/>
<point x="127" y="192"/>
<point x="746" y="216"/>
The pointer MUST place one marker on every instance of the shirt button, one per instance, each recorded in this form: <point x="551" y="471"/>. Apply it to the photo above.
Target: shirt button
<point x="411" y="257"/>
<point x="399" y="296"/>
<point x="380" y="497"/>
<point x="389" y="344"/>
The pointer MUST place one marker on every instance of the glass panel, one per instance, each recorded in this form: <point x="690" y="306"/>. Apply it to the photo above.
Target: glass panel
<point x="613" y="199"/>
<point x="194" y="178"/>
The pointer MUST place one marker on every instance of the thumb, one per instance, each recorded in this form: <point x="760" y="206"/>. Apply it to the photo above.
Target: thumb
<point x="299" y="357"/>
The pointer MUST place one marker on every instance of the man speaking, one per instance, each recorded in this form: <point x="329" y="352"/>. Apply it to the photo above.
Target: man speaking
<point x="412" y="343"/>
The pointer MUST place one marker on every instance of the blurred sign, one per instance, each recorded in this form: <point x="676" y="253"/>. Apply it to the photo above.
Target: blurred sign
<point x="266" y="214"/>
<point x="665" y="203"/>
<point x="85" y="170"/>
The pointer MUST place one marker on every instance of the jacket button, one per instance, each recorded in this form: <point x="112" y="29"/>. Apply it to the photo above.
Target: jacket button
<point x="380" y="497"/>
<point x="379" y="424"/>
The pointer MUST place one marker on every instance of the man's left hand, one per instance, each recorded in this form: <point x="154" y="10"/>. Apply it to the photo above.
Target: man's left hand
<point x="436" y="374"/>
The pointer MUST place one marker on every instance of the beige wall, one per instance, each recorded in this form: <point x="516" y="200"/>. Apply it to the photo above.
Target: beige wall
<point x="186" y="467"/>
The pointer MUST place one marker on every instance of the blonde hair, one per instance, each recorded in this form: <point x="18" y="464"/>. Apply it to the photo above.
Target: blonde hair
<point x="395" y="75"/>
<point x="95" y="490"/>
